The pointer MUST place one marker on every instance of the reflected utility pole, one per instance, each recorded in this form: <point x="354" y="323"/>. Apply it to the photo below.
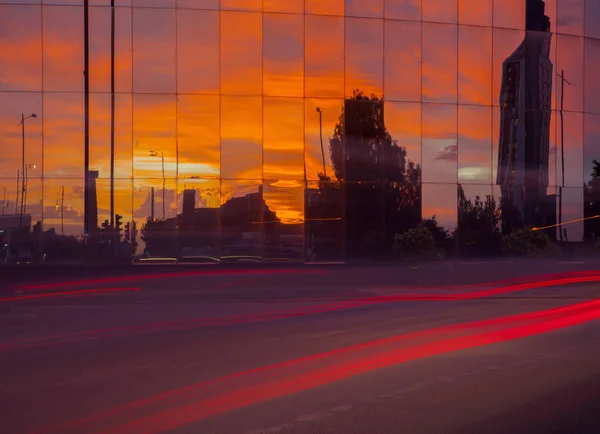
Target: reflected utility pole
<point x="22" y="125"/>
<point x="86" y="143"/>
<point x="60" y="202"/>
<point x="17" y="191"/>
<point x="562" y="149"/>
<point x="321" y="137"/>
<point x="4" y="205"/>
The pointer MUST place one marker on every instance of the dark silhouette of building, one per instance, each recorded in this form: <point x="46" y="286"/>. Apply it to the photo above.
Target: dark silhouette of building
<point x="189" y="201"/>
<point x="525" y="109"/>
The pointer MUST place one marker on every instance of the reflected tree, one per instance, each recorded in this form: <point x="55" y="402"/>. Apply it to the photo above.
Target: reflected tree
<point x="160" y="238"/>
<point x="591" y="200"/>
<point x="478" y="228"/>
<point x="382" y="188"/>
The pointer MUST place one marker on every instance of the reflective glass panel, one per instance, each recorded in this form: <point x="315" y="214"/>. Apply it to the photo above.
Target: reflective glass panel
<point x="283" y="55"/>
<point x="475" y="12"/>
<point x="439" y="202"/>
<point x="154" y="136"/>
<point x="440" y="11"/>
<point x="198" y="218"/>
<point x="241" y="137"/>
<point x="241" y="53"/>
<point x="592" y="18"/>
<point x="284" y="236"/>
<point x="474" y="145"/>
<point x="361" y="8"/>
<point x="573" y="149"/>
<point x="290" y="6"/>
<point x="591" y="74"/>
<point x="475" y="65"/>
<point x="591" y="147"/>
<point x="324" y="7"/>
<point x="324" y="56"/>
<point x="439" y="146"/>
<point x="570" y="62"/>
<point x="154" y="50"/>
<point x="100" y="135"/>
<point x="440" y="76"/>
<point x="321" y="118"/>
<point x="364" y="56"/>
<point x="20" y="47"/>
<point x="510" y="14"/>
<point x="403" y="9"/>
<point x="12" y="105"/>
<point x="63" y="48"/>
<point x="198" y="130"/>
<point x="63" y="135"/>
<point x="570" y="17"/>
<point x="402" y="73"/>
<point x="244" y="219"/>
<point x="197" y="51"/>
<point x="506" y="42"/>
<point x="283" y="143"/>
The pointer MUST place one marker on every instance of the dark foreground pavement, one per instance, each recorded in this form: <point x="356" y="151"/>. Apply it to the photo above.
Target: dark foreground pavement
<point x="252" y="353"/>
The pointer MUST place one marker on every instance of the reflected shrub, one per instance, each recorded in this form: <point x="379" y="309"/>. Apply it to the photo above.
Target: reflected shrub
<point x="528" y="243"/>
<point x="416" y="244"/>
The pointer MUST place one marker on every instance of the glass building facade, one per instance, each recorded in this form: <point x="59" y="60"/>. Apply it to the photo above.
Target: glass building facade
<point x="312" y="130"/>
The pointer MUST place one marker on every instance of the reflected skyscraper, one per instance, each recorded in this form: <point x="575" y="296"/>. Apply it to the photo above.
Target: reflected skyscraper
<point x="525" y="109"/>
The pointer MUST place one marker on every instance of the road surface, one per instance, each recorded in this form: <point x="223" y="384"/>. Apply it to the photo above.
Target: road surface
<point x="303" y="350"/>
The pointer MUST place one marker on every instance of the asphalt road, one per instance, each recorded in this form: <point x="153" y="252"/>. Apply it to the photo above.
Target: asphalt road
<point x="297" y="350"/>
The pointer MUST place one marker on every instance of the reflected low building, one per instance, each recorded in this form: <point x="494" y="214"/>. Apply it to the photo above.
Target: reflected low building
<point x="300" y="130"/>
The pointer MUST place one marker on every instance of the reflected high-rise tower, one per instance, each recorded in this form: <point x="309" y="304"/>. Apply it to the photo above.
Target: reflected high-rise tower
<point x="524" y="143"/>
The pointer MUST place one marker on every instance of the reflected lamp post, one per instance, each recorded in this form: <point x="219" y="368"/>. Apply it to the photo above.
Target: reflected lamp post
<point x="22" y="125"/>
<point x="162" y="158"/>
<point x="321" y="138"/>
<point x="32" y="167"/>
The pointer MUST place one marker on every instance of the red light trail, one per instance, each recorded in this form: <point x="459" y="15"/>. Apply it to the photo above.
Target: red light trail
<point x="67" y="293"/>
<point x="194" y="403"/>
<point x="288" y="314"/>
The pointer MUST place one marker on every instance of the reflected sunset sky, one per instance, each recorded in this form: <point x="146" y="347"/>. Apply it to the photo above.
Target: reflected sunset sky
<point x="232" y="95"/>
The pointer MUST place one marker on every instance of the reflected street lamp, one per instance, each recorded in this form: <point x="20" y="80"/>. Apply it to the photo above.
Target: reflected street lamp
<point x="22" y="125"/>
<point x="162" y="158"/>
<point x="321" y="137"/>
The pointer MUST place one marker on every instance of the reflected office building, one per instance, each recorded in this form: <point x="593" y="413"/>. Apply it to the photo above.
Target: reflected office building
<point x="296" y="130"/>
<point x="525" y="112"/>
